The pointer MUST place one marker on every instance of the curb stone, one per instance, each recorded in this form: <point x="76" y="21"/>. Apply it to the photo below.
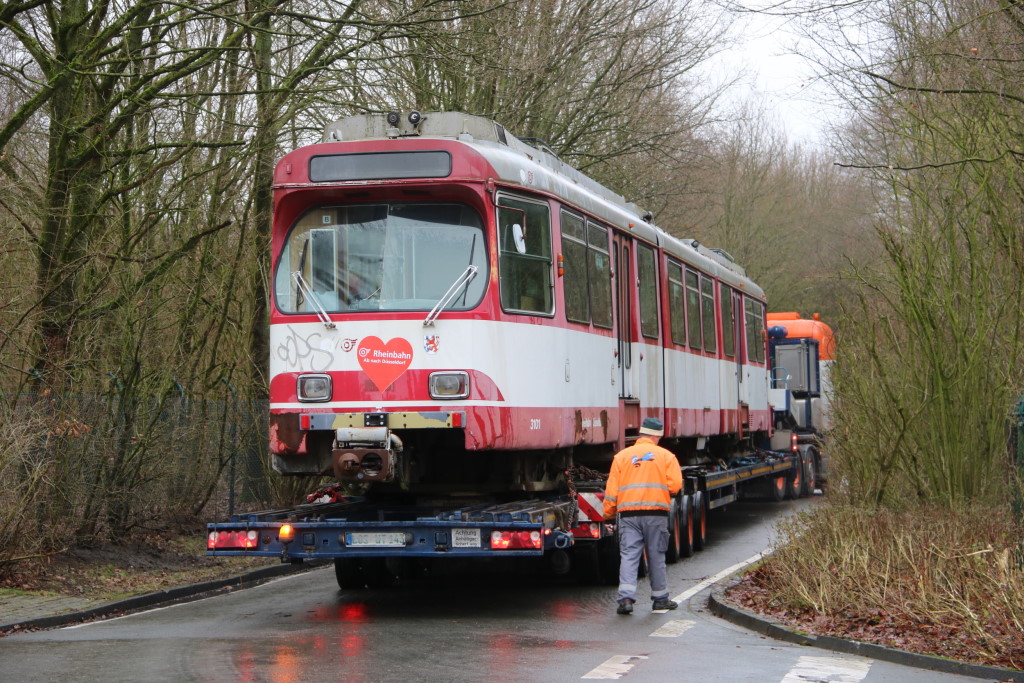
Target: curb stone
<point x="164" y="597"/>
<point x="754" y="622"/>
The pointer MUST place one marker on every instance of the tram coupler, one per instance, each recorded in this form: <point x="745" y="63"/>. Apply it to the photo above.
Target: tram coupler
<point x="365" y="454"/>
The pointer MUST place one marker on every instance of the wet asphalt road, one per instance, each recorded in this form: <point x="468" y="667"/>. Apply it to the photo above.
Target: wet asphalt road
<point x="479" y="626"/>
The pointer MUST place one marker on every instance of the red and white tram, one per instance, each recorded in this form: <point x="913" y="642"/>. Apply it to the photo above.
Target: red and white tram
<point x="455" y="310"/>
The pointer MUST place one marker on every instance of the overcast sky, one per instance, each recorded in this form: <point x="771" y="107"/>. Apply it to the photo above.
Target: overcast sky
<point x="782" y="81"/>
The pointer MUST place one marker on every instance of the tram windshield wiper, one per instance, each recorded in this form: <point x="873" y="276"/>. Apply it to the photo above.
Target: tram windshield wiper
<point x="307" y="291"/>
<point x="461" y="281"/>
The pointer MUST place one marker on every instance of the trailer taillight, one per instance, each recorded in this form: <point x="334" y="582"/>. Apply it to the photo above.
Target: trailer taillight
<point x="516" y="540"/>
<point x="792" y="443"/>
<point x="232" y="540"/>
<point x="587" y="530"/>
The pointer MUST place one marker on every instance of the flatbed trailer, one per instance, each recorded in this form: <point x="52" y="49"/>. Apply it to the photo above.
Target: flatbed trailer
<point x="359" y="534"/>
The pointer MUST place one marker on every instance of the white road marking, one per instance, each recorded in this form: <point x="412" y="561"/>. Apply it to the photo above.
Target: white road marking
<point x="159" y="608"/>
<point x="615" y="667"/>
<point x="673" y="629"/>
<point x="828" y="670"/>
<point x="689" y="593"/>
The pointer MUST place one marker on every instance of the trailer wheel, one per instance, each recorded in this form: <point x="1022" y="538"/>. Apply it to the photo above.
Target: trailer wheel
<point x="586" y="563"/>
<point x="686" y="527"/>
<point x="777" y="488"/>
<point x="349" y="573"/>
<point x="672" y="553"/>
<point x="810" y="479"/>
<point x="608" y="560"/>
<point x="700" y="521"/>
<point x="794" y="480"/>
<point x="377" y="574"/>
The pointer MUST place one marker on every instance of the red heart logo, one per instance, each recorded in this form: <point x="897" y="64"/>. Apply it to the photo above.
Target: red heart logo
<point x="384" y="363"/>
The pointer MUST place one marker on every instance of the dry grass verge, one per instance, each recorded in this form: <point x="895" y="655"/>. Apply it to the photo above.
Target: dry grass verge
<point x="927" y="580"/>
<point x="114" y="572"/>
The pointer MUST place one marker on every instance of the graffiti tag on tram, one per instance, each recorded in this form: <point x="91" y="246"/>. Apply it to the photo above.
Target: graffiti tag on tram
<point x="313" y="353"/>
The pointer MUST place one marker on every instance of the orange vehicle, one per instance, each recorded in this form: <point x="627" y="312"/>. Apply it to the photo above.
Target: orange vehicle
<point x="802" y="351"/>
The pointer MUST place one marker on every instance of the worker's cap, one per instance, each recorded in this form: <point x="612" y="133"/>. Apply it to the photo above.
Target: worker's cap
<point x="652" y="426"/>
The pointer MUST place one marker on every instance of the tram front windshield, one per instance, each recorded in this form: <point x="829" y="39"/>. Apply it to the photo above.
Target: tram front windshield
<point x="371" y="257"/>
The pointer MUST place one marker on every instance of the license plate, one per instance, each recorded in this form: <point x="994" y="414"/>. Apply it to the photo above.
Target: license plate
<point x="465" y="538"/>
<point x="375" y="539"/>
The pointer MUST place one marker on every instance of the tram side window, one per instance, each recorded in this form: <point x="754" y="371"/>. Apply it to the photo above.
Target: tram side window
<point x="755" y="330"/>
<point x="524" y="264"/>
<point x="647" y="271"/>
<point x="574" y="278"/>
<point x="728" y="323"/>
<point x="599" y="268"/>
<point x="693" y="309"/>
<point x="707" y="291"/>
<point x="676" y="303"/>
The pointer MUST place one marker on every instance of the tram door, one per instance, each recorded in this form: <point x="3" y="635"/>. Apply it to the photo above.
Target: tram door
<point x="625" y="287"/>
<point x="732" y="385"/>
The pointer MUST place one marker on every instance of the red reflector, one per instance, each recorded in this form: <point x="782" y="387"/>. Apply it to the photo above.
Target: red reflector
<point x="516" y="540"/>
<point x="303" y="421"/>
<point x="587" y="530"/>
<point x="456" y="419"/>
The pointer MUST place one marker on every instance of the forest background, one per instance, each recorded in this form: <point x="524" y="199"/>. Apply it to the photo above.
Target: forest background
<point x="138" y="138"/>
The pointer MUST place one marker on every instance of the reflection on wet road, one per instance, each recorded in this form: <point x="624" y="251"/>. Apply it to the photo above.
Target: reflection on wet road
<point x="483" y="623"/>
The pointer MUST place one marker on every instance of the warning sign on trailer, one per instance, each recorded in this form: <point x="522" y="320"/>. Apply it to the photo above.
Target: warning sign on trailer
<point x="465" y="538"/>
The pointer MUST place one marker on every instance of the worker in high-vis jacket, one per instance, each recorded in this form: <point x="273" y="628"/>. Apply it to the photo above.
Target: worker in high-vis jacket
<point x="643" y="479"/>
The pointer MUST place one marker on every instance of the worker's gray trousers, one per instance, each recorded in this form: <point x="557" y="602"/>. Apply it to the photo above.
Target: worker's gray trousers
<point x="634" y="534"/>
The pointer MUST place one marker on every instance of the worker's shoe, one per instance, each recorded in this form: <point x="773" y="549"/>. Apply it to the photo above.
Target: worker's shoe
<point x="625" y="607"/>
<point x="664" y="603"/>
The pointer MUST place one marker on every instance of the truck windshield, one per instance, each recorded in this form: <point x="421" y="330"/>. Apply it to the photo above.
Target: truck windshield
<point x="371" y="257"/>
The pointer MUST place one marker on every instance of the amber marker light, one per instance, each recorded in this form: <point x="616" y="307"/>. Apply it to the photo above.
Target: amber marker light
<point x="286" y="532"/>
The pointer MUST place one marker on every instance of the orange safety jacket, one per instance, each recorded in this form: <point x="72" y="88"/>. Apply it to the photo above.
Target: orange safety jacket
<point x="643" y="479"/>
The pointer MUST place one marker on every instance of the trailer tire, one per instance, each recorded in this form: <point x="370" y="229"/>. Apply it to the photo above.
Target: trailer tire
<point x="700" y="518"/>
<point x="349" y="573"/>
<point x="608" y="560"/>
<point x="586" y="563"/>
<point x="686" y="527"/>
<point x="810" y="480"/>
<point x="377" y="574"/>
<point x="794" y="480"/>
<point x="674" y="536"/>
<point x="777" y="488"/>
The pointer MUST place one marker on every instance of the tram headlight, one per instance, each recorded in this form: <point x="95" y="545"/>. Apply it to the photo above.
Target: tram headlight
<point x="314" y="388"/>
<point x="449" y="385"/>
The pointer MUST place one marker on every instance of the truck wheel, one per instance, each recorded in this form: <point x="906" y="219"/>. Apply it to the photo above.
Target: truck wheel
<point x="700" y="521"/>
<point x="686" y="527"/>
<point x="672" y="553"/>
<point x="349" y="573"/>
